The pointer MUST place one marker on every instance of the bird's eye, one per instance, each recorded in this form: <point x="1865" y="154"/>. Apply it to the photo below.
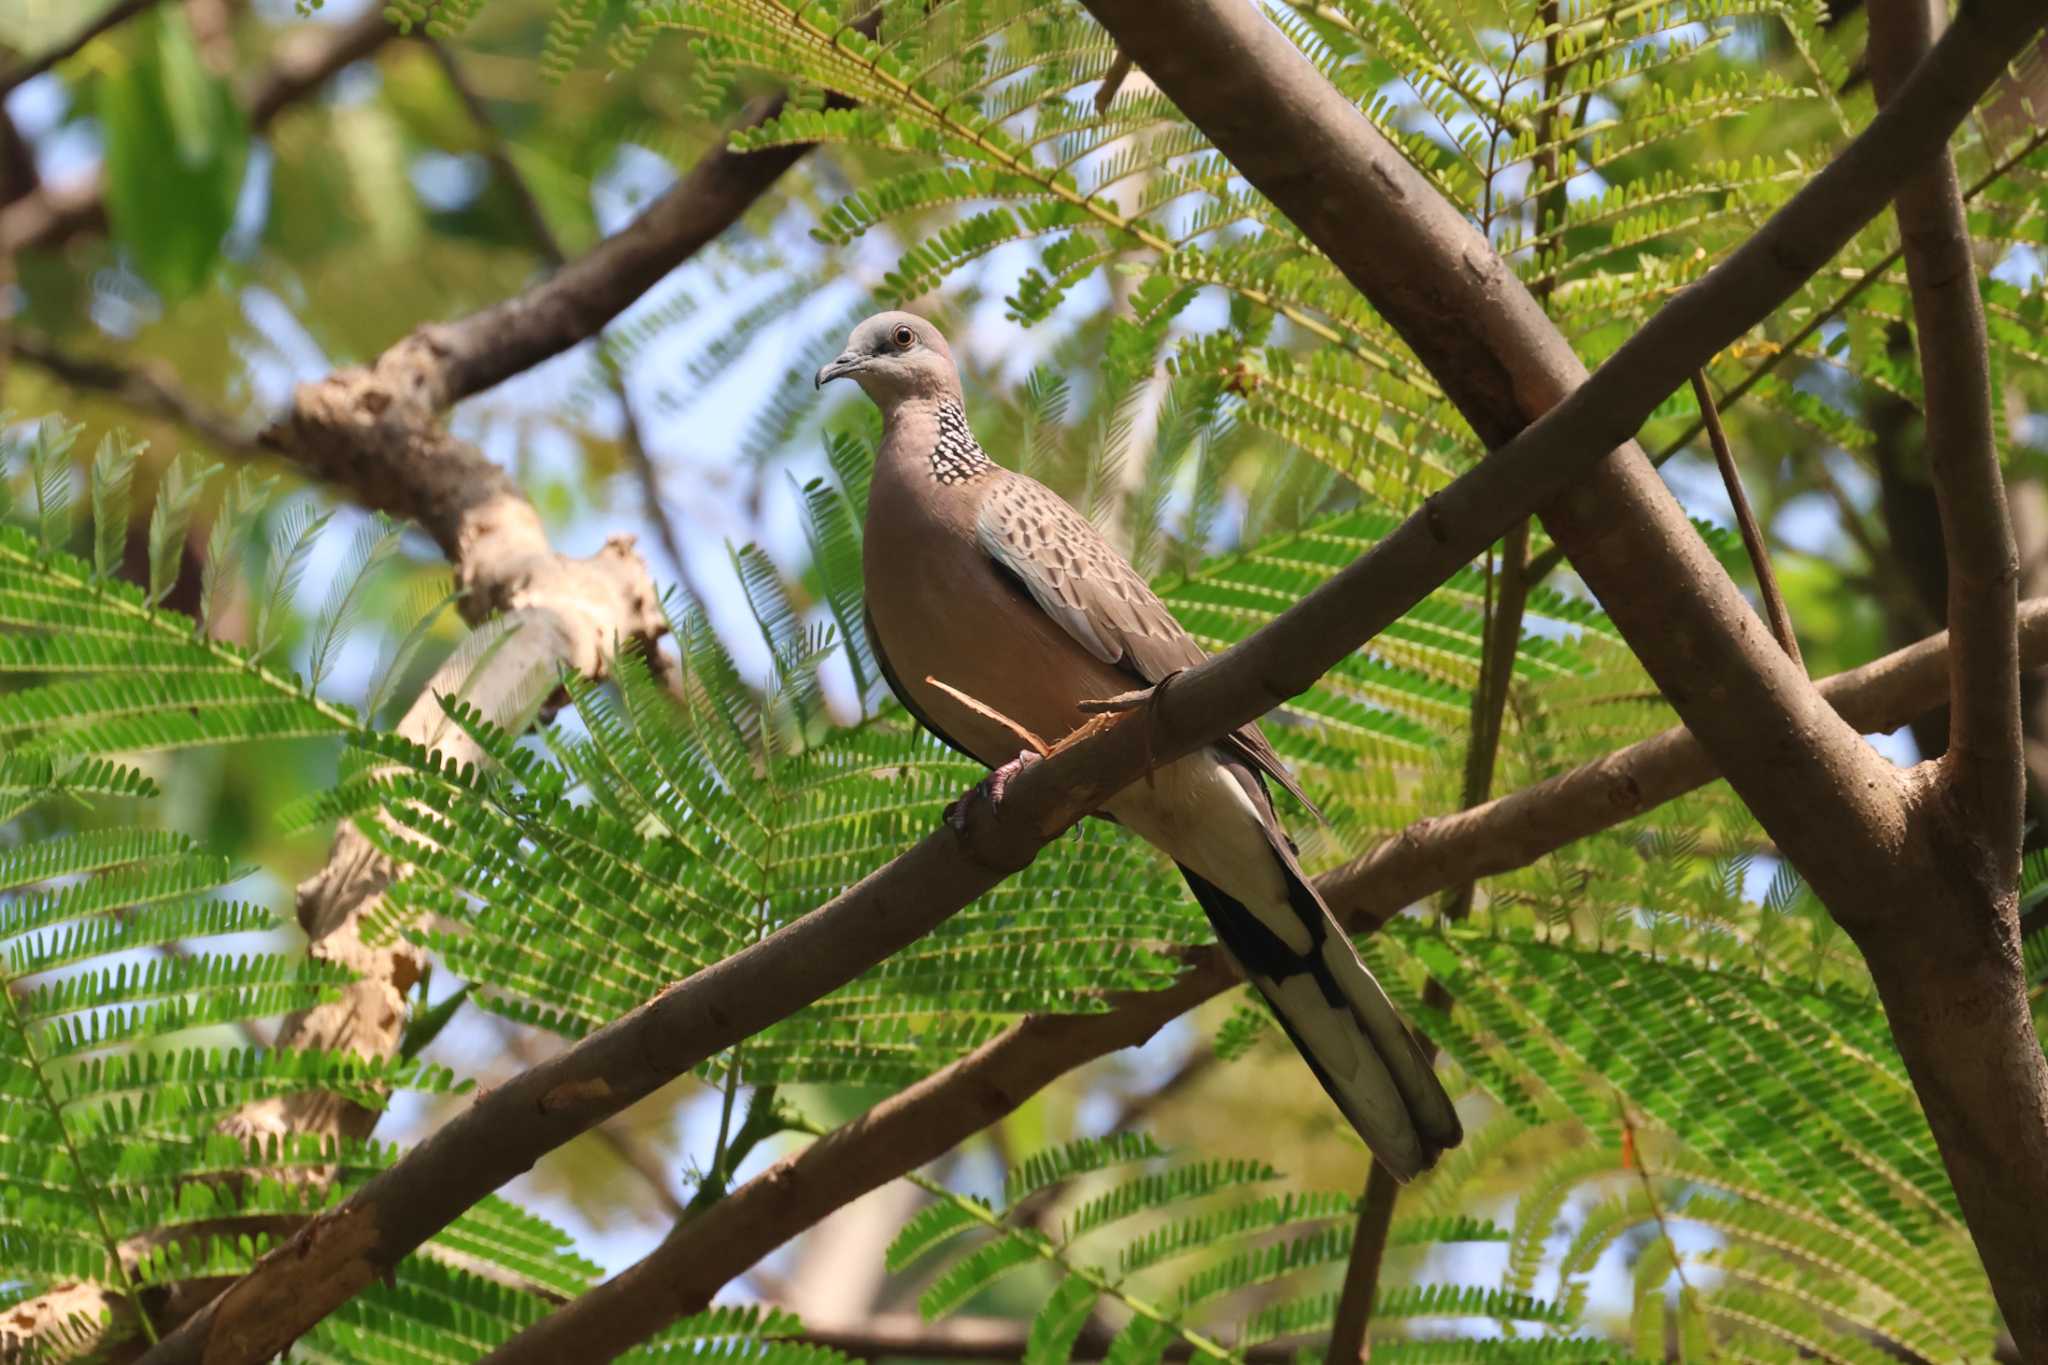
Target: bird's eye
<point x="904" y="336"/>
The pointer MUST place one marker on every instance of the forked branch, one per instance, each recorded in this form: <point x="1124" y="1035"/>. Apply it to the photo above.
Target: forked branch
<point x="505" y="1131"/>
<point x="1982" y="770"/>
<point x="928" y="1119"/>
<point x="1941" y="948"/>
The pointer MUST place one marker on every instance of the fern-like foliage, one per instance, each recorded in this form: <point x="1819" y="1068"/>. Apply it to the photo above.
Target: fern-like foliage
<point x="1718" y="1093"/>
<point x="1612" y="152"/>
<point x="126" y="1040"/>
<point x="574" y="883"/>
<point x="1165" y="1248"/>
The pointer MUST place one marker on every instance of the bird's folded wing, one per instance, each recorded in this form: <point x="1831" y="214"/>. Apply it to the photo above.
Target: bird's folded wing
<point x="1077" y="578"/>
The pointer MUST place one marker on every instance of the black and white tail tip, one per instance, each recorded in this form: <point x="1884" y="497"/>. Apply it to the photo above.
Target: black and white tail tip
<point x="1342" y="1023"/>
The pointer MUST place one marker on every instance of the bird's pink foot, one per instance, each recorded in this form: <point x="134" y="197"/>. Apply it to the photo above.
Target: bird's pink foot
<point x="990" y="788"/>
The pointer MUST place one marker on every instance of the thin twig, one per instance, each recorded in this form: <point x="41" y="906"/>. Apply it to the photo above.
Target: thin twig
<point x="1113" y="81"/>
<point x="149" y="386"/>
<point x="1362" y="1271"/>
<point x="1546" y="563"/>
<point x="1634" y="1144"/>
<point x="54" y="213"/>
<point x="1503" y="638"/>
<point x="498" y="151"/>
<point x="1023" y="734"/>
<point x="1752" y="534"/>
<point x="353" y="1243"/>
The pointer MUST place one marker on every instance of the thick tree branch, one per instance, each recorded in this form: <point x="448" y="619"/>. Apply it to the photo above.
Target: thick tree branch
<point x="373" y="432"/>
<point x="1949" y="969"/>
<point x="505" y="1131"/>
<point x="928" y="1119"/>
<point x="1460" y="307"/>
<point x="1943" y="950"/>
<point x="1982" y="771"/>
<point x="376" y="431"/>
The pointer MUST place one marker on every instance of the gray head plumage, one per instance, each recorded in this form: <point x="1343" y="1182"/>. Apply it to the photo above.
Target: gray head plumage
<point x="894" y="356"/>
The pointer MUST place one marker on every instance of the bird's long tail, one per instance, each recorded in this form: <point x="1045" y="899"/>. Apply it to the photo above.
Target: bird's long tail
<point x="1340" y="1020"/>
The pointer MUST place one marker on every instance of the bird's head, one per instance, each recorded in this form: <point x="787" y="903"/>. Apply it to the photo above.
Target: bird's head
<point x="894" y="356"/>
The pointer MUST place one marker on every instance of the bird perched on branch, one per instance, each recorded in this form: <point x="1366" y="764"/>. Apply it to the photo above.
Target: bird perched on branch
<point x="985" y="581"/>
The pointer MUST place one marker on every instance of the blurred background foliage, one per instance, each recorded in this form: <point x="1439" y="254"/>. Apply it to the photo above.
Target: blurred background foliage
<point x="1689" y="1134"/>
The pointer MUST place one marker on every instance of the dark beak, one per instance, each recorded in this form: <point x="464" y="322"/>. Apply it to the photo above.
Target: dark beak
<point x="845" y="365"/>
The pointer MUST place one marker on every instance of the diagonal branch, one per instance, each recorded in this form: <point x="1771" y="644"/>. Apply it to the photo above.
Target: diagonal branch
<point x="928" y="1119"/>
<point x="1745" y="521"/>
<point x="505" y="1131"/>
<point x="1486" y="340"/>
<point x="150" y="386"/>
<point x="306" y="60"/>
<point x="1982" y="771"/>
<point x="111" y="17"/>
<point x="1943" y="950"/>
<point x="499" y="153"/>
<point x="377" y="432"/>
<point x="54" y="214"/>
<point x="577" y="301"/>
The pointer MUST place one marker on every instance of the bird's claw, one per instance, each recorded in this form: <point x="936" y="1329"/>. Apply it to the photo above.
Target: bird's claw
<point x="990" y="789"/>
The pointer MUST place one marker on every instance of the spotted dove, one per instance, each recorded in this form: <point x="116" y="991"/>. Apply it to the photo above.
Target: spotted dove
<point x="985" y="580"/>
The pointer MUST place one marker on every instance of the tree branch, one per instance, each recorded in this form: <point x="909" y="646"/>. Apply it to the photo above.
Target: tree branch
<point x="1982" y="772"/>
<point x="549" y="245"/>
<point x="1942" y="949"/>
<point x="576" y="302"/>
<point x="108" y="19"/>
<point x="503" y="1132"/>
<point x="1779" y="614"/>
<point x="1353" y="1323"/>
<point x="307" y="59"/>
<point x="1487" y="341"/>
<point x="907" y="1336"/>
<point x="150" y="386"/>
<point x="923" y="1122"/>
<point x="53" y="214"/>
<point x="1508" y="600"/>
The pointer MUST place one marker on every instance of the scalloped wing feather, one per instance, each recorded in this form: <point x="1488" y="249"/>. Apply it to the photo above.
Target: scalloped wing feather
<point x="1077" y="578"/>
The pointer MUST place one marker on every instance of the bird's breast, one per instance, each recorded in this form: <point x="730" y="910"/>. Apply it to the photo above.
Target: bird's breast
<point x="943" y="610"/>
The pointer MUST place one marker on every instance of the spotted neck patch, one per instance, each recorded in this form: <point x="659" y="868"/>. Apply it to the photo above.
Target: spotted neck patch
<point x="956" y="455"/>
